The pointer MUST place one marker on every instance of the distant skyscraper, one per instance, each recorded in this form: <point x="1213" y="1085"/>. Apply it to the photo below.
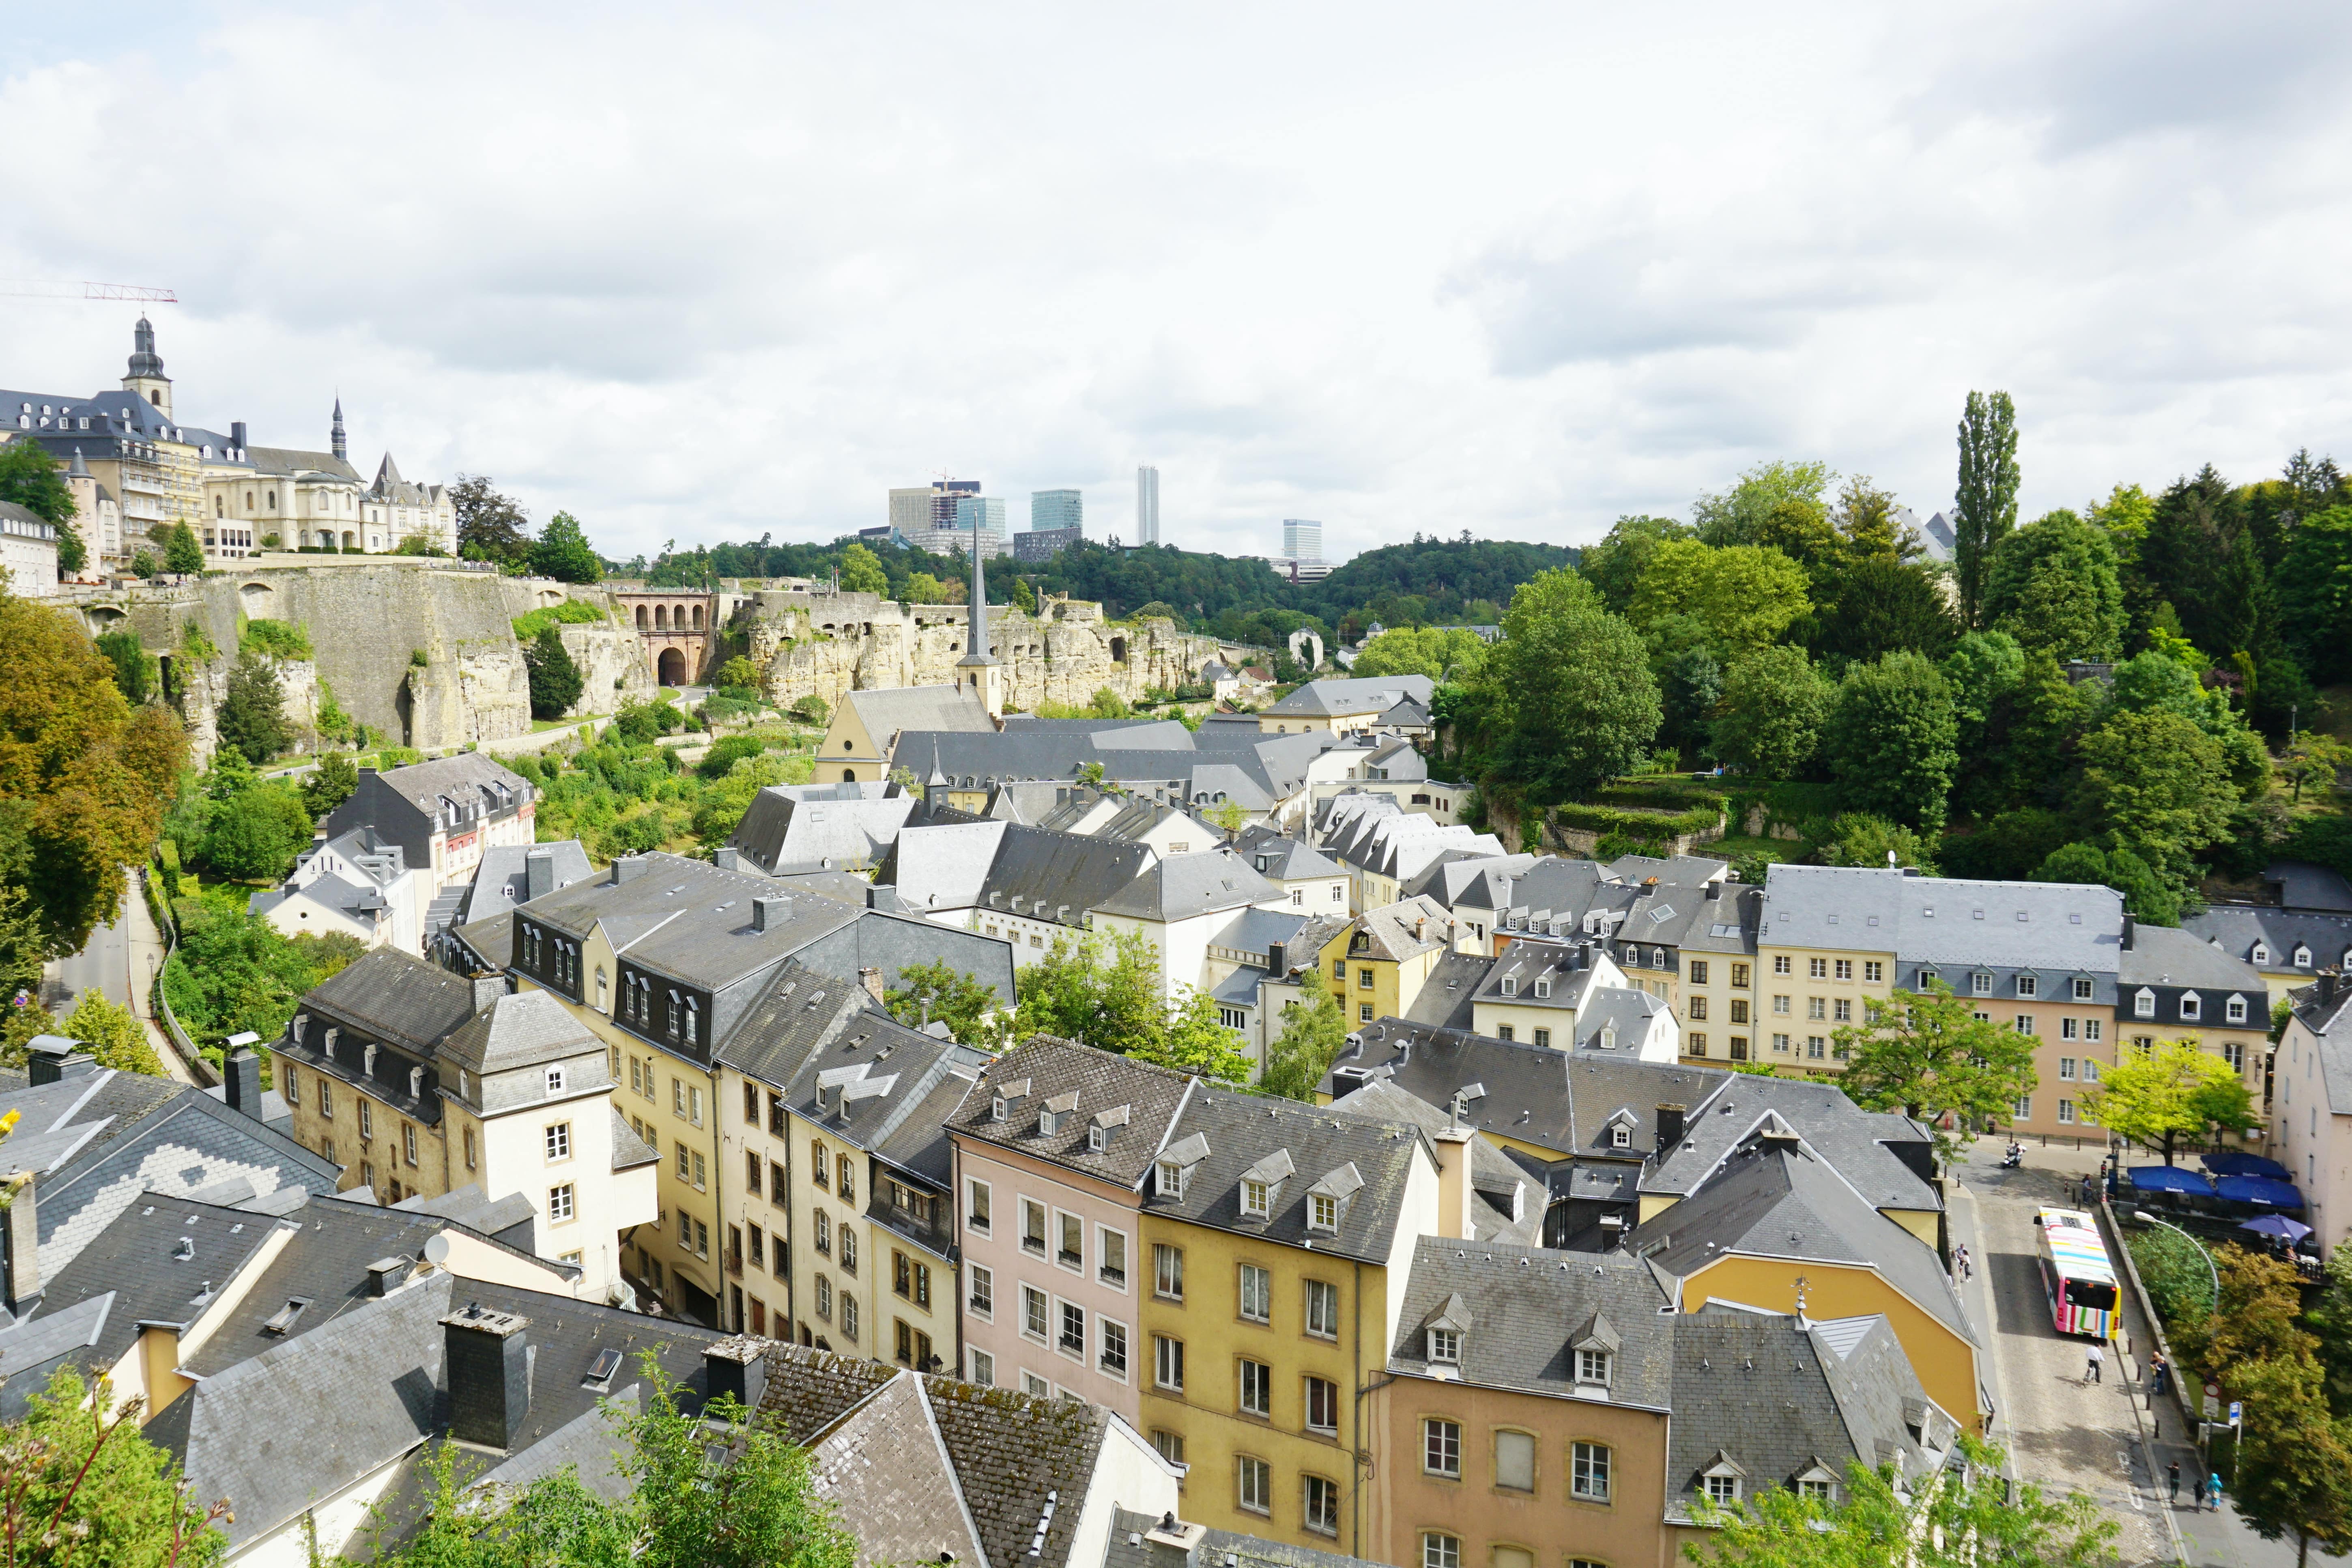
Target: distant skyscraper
<point x="1055" y="508"/>
<point x="979" y="512"/>
<point x="946" y="495"/>
<point x="1147" y="506"/>
<point x="911" y="510"/>
<point x="1302" y="540"/>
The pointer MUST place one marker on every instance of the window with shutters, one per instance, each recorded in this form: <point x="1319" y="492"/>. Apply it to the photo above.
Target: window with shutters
<point x="1515" y="1460"/>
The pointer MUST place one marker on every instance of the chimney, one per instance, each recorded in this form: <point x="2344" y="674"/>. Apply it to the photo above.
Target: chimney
<point x="488" y="989"/>
<point x="871" y="979"/>
<point x="728" y="858"/>
<point x="538" y="873"/>
<point x="2327" y="981"/>
<point x="386" y="1275"/>
<point x="1274" y="960"/>
<point x="626" y="868"/>
<point x="489" y="1357"/>
<point x="54" y="1058"/>
<point x="236" y="435"/>
<point x="736" y="1366"/>
<point x="1715" y="889"/>
<point x="1670" y="1122"/>
<point x="2126" y="944"/>
<point x="769" y="913"/>
<point x="241" y="1078"/>
<point x="20" y="1252"/>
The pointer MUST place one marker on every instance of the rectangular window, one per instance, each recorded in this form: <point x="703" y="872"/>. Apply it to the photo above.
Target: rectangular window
<point x="848" y="1315"/>
<point x="1074" y="1330"/>
<point x="2092" y="1029"/>
<point x="848" y="1251"/>
<point x="1364" y="1015"/>
<point x="1588" y="1472"/>
<point x="1114" y="1349"/>
<point x="701" y="1240"/>
<point x="1817" y="969"/>
<point x="983" y="1369"/>
<point x="983" y="1297"/>
<point x="684" y="1232"/>
<point x="820" y="1167"/>
<point x="759" y="1247"/>
<point x="2028" y="985"/>
<point x="1168" y="1363"/>
<point x="1515" y="1461"/>
<point x="2066" y="1068"/>
<point x="1813" y="1047"/>
<point x="1257" y="1293"/>
<point x="2067" y="1029"/>
<point x="1698" y="972"/>
<point x="1253" y="1485"/>
<point x="975" y="1206"/>
<point x="902" y="1273"/>
<point x="2065" y="1113"/>
<point x="1781" y="1006"/>
<point x="685" y="1160"/>
<point x="1322" y="1405"/>
<point x="1071" y="1250"/>
<point x="1697" y="1046"/>
<point x="845" y="1188"/>
<point x="559" y="1141"/>
<point x="1739" y="1010"/>
<point x="1816" y="1007"/>
<point x="1257" y="1388"/>
<point x="1439" y="1550"/>
<point x="1034" y="1319"/>
<point x="1033" y="1227"/>
<point x="1339" y="969"/>
<point x="1845" y="968"/>
<point x="701" y="1174"/>
<point x="677" y="1095"/>
<point x="1842" y="1011"/>
<point x="559" y="1203"/>
<point x="1322" y="1505"/>
<point x="367" y="1120"/>
<point x="469" y="1148"/>
<point x="1697" y="1008"/>
<point x="1167" y="1272"/>
<point x="1441" y="1448"/>
<point x="1110" y="1256"/>
<point x="820" y="1226"/>
<point x="408" y="1143"/>
<point x="2023" y="1108"/>
<point x="1502" y="1031"/>
<point x="1873" y="971"/>
<point x="1363" y="979"/>
<point x="1543" y="1037"/>
<point x="1740" y="975"/>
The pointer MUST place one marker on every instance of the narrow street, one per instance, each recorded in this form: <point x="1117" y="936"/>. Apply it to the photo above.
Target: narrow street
<point x="119" y="961"/>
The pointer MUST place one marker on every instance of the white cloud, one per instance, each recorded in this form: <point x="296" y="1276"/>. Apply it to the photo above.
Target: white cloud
<point x="712" y="272"/>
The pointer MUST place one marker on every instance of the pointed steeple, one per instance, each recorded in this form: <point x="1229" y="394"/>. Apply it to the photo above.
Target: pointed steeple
<point x="977" y="662"/>
<point x="145" y="375"/>
<point x="77" y="469"/>
<point x="339" y="448"/>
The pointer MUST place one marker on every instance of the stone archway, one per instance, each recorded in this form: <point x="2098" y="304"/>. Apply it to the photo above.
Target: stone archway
<point x="672" y="667"/>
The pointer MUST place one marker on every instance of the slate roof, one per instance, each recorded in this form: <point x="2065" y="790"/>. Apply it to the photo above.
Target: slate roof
<point x="138" y="1261"/>
<point x="885" y="1465"/>
<point x="1493" y="1174"/>
<point x="887" y="713"/>
<point x="2320" y="1017"/>
<point x="798" y="1011"/>
<point x="32" y="1350"/>
<point x="1778" y="1398"/>
<point x="2299" y="884"/>
<point x="786" y="830"/>
<point x="288" y="460"/>
<point x="1371" y="694"/>
<point x="1281" y="858"/>
<point x="398" y="999"/>
<point x="1862" y="1145"/>
<point x="1405" y="929"/>
<point x="1052" y="1068"/>
<point x="1788" y="1202"/>
<point x="2235" y="928"/>
<point x="1132" y="1546"/>
<point x="502" y="879"/>
<point x="1527" y="1304"/>
<point x="2166" y="956"/>
<point x="1445" y="997"/>
<point x="461" y="776"/>
<point x="1183" y="886"/>
<point x="689" y="920"/>
<point x="1241" y="1129"/>
<point x="522" y="1029"/>
<point x="1553" y="965"/>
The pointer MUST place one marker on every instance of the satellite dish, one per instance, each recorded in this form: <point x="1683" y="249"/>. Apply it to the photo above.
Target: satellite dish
<point x="436" y="1248"/>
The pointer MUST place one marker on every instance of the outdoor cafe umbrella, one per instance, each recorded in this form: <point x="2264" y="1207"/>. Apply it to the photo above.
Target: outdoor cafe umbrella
<point x="2255" y="1191"/>
<point x="2170" y="1178"/>
<point x="2238" y="1162"/>
<point x="2278" y="1225"/>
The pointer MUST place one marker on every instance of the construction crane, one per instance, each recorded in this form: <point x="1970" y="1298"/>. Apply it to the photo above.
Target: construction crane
<point x="43" y="290"/>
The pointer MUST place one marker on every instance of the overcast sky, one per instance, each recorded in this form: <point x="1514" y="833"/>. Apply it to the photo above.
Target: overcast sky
<point x="702" y="273"/>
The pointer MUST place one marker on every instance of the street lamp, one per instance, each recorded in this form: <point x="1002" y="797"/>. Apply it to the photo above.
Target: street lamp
<point x="2145" y="1217"/>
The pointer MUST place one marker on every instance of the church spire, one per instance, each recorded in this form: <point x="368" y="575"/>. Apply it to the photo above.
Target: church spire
<point x="977" y="662"/>
<point x="339" y="426"/>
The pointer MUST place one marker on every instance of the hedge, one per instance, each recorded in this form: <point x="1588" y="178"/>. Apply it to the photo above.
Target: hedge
<point x="1652" y="826"/>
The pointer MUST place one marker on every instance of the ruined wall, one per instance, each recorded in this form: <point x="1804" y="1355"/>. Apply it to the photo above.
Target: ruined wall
<point x="367" y="625"/>
<point x="827" y="645"/>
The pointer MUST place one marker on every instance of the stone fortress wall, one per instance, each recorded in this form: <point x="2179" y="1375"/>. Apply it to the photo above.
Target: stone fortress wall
<point x="811" y="642"/>
<point x="368" y="627"/>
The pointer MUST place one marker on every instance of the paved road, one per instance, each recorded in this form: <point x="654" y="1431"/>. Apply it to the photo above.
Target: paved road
<point x="104" y="962"/>
<point x="2061" y="1430"/>
<point x="119" y="960"/>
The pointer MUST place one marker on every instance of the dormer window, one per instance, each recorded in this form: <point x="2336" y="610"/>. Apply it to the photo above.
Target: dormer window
<point x="1510" y="984"/>
<point x="2192" y="1006"/>
<point x="2262" y="953"/>
<point x="1980" y="983"/>
<point x="1927" y="980"/>
<point x="1620" y="1136"/>
<point x="2303" y="958"/>
<point x="1171" y="1179"/>
<point x="2027" y="985"/>
<point x="1322" y="1212"/>
<point x="555" y="1080"/>
<point x="1592" y="1366"/>
<point x="997" y="1109"/>
<point x="2082" y="990"/>
<point x="1445" y="1348"/>
<point x="1098" y="1138"/>
<point x="1255" y="1196"/>
<point x="1721" y="1482"/>
<point x="1543" y="987"/>
<point x="2235" y="1010"/>
<point x="2144" y="1003"/>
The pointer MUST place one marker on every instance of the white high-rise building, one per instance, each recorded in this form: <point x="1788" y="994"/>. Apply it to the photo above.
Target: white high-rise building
<point x="1147" y="505"/>
<point x="1302" y="541"/>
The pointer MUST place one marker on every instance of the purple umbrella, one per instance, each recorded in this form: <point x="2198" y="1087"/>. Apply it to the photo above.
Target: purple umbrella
<point x="2280" y="1225"/>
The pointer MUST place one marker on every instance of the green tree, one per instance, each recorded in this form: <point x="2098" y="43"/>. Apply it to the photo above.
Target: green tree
<point x="252" y="714"/>
<point x="85" y="1486"/>
<point x="1892" y="739"/>
<point x="1745" y="595"/>
<point x="72" y="554"/>
<point x="1983" y="667"/>
<point x="1955" y="1518"/>
<point x="22" y="950"/>
<point x="1615" y="565"/>
<point x="562" y="552"/>
<point x="811" y="709"/>
<point x="861" y="570"/>
<point x="1738" y="516"/>
<point x="738" y="671"/>
<point x="329" y="785"/>
<point x="555" y="679"/>
<point x="36" y="481"/>
<point x="1314" y="1031"/>
<point x="235" y="971"/>
<point x="2055" y="584"/>
<point x="939" y="992"/>
<point x="1191" y="1040"/>
<point x="2149" y="894"/>
<point x="1769" y="721"/>
<point x="2313" y="761"/>
<point x="2157" y="781"/>
<point x="1927" y="1055"/>
<point x="922" y="587"/>
<point x="2125" y="515"/>
<point x="2170" y="1091"/>
<point x="134" y="667"/>
<point x="2316" y="591"/>
<point x="1100" y="990"/>
<point x="1573" y="685"/>
<point x="1443" y="654"/>
<point x="2295" y="1462"/>
<point x="1025" y="598"/>
<point x="2256" y="1318"/>
<point x="490" y="526"/>
<point x="1985" y="506"/>
<point x="181" y="553"/>
<point x="143" y="564"/>
<point x="1858" y="838"/>
<point x="1876" y="606"/>
<point x="1108" y="704"/>
<point x="255" y="836"/>
<point x="1870" y="526"/>
<point x="84" y="777"/>
<point x="115" y="1036"/>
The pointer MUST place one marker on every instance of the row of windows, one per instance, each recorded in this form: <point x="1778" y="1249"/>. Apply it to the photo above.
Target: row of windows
<point x="1839" y="1009"/>
<point x="1590" y="1467"/>
<point x="1052" y="1322"/>
<point x="1440" y="1549"/>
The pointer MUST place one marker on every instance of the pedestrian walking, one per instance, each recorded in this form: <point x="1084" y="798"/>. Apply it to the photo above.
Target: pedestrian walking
<point x="2158" y="1370"/>
<point x="1967" y="1270"/>
<point x="2086" y="1192"/>
<point x="2096" y="1358"/>
<point x="2172" y="1474"/>
<point x="2213" y="1490"/>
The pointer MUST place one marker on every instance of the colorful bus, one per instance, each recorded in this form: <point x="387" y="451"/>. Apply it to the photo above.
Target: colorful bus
<point x="2076" y="1273"/>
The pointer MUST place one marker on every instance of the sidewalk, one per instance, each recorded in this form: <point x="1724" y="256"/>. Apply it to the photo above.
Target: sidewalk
<point x="145" y="962"/>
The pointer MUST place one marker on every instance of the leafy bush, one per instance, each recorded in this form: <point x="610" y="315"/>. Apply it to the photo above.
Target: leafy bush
<point x="278" y="639"/>
<point x="721" y="758"/>
<point x="571" y="613"/>
<point x="1649" y="826"/>
<point x="811" y="709"/>
<point x="255" y="834"/>
<point x="393" y="757"/>
<point x="235" y="971"/>
<point x="135" y="668"/>
<point x="738" y="671"/>
<point x="2179" y="1284"/>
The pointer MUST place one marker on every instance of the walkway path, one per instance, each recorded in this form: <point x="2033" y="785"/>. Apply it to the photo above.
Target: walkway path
<point x="121" y="961"/>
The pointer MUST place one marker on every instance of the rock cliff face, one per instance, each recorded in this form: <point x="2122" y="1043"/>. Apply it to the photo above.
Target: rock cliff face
<point x="827" y="645"/>
<point x="425" y="656"/>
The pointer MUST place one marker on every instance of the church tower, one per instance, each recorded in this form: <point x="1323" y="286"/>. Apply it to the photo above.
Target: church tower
<point x="977" y="668"/>
<point x="338" y="437"/>
<point x="147" y="378"/>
